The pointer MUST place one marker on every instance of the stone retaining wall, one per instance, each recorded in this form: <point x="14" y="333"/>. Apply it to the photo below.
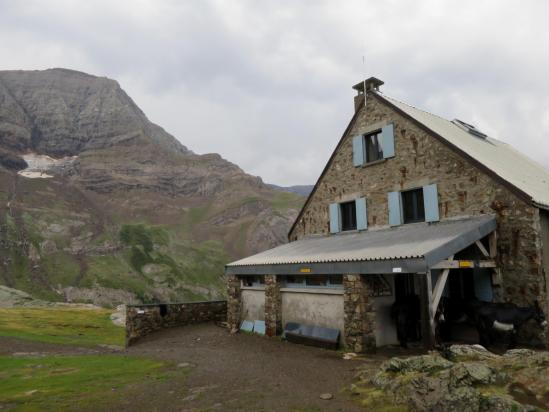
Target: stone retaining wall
<point x="142" y="320"/>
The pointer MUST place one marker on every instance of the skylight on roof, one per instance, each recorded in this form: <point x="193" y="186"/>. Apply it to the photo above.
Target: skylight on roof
<point x="469" y="128"/>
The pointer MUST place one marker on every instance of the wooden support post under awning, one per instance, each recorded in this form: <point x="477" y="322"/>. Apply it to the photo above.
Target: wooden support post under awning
<point x="427" y="316"/>
<point x="439" y="288"/>
<point x="493" y="251"/>
<point x="432" y="296"/>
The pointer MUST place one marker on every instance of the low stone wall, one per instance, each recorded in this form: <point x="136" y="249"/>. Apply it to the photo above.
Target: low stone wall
<point x="142" y="320"/>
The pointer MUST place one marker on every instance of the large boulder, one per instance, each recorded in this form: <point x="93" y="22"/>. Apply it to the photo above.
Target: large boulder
<point x="471" y="373"/>
<point x="422" y="363"/>
<point x="471" y="379"/>
<point x="468" y="353"/>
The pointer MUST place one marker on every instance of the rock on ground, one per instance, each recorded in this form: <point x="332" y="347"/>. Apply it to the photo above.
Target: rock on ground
<point x="466" y="378"/>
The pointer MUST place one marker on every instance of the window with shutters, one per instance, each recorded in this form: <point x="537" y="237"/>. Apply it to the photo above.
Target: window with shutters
<point x="413" y="208"/>
<point x="372" y="147"/>
<point x="348" y="215"/>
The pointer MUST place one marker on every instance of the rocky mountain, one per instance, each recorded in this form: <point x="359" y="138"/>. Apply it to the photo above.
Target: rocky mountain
<point x="99" y="204"/>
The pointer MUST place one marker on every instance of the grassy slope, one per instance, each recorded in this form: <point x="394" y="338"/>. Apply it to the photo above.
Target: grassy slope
<point x="61" y="325"/>
<point x="188" y="253"/>
<point x="72" y="382"/>
<point x="58" y="383"/>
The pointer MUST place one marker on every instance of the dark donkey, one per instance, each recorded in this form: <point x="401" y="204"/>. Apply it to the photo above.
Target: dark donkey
<point x="405" y="312"/>
<point x="504" y="317"/>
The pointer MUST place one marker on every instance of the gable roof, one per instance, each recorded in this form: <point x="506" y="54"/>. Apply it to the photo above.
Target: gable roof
<point x="525" y="177"/>
<point x="501" y="158"/>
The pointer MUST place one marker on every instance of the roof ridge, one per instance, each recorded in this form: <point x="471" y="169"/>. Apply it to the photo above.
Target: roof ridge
<point x="412" y="106"/>
<point x="434" y="115"/>
<point x="509" y="146"/>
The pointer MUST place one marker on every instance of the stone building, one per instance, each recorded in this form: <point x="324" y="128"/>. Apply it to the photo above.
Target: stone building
<point x="408" y="203"/>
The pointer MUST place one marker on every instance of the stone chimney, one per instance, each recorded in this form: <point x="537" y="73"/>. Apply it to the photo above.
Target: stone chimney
<point x="368" y="85"/>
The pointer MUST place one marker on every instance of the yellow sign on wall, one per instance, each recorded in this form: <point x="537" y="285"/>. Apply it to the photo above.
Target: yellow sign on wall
<point x="305" y="270"/>
<point x="466" y="264"/>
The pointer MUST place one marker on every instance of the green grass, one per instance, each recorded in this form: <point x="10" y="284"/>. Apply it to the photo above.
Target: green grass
<point x="61" y="267"/>
<point x="194" y="216"/>
<point x="284" y="200"/>
<point x="242" y="236"/>
<point x="71" y="382"/>
<point x="61" y="325"/>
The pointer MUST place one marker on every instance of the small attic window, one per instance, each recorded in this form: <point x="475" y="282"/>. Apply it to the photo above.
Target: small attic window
<point x="469" y="128"/>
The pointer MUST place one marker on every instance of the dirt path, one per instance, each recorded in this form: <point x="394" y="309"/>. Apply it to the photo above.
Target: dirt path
<point x="212" y="370"/>
<point x="245" y="372"/>
<point x="19" y="347"/>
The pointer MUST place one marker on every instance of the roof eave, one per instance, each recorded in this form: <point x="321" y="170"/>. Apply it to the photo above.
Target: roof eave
<point x="386" y="266"/>
<point x="540" y="205"/>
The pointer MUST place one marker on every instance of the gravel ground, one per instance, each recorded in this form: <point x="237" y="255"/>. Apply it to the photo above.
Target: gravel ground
<point x="215" y="371"/>
<point x="249" y="372"/>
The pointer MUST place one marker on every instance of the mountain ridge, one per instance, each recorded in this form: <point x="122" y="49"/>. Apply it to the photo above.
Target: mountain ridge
<point x="96" y="200"/>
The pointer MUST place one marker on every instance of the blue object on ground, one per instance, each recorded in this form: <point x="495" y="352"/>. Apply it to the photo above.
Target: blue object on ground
<point x="259" y="327"/>
<point x="247" y="326"/>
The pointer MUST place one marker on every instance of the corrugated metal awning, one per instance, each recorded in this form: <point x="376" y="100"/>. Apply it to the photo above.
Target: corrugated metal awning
<point x="409" y="248"/>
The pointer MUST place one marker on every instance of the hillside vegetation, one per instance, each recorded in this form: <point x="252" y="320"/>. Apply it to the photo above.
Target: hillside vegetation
<point x="97" y="204"/>
<point x="74" y="326"/>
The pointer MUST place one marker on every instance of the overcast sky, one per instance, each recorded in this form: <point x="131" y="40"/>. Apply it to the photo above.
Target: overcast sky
<point x="267" y="84"/>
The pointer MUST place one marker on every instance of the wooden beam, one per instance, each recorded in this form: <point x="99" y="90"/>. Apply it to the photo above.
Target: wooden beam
<point x="493" y="240"/>
<point x="427" y="317"/>
<point x="482" y="248"/>
<point x="464" y="264"/>
<point x="439" y="288"/>
<point x="493" y="246"/>
<point x="496" y="277"/>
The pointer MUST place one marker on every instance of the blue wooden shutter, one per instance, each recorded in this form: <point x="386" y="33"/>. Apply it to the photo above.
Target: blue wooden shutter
<point x="334" y="217"/>
<point x="388" y="141"/>
<point x="358" y="150"/>
<point x="430" y="202"/>
<point x="361" y="214"/>
<point x="395" y="217"/>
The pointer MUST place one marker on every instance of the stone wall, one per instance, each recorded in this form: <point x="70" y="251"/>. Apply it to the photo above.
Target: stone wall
<point x="142" y="320"/>
<point x="273" y="306"/>
<point x="359" y="314"/>
<point x="464" y="190"/>
<point x="234" y="303"/>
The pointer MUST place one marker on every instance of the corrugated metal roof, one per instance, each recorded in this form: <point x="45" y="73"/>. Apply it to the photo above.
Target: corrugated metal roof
<point x="434" y="242"/>
<point x="511" y="165"/>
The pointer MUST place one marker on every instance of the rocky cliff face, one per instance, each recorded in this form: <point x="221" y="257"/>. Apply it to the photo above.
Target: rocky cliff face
<point x="62" y="112"/>
<point x="94" y="197"/>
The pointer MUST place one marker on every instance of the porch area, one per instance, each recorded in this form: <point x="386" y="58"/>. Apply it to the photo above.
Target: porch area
<point x="350" y="281"/>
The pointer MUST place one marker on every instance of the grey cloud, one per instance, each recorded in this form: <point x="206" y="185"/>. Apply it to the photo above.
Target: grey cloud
<point x="267" y="84"/>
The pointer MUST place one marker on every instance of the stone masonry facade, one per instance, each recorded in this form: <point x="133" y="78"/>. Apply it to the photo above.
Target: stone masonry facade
<point x="141" y="320"/>
<point x="359" y="315"/>
<point x="234" y="303"/>
<point x="464" y="190"/>
<point x="273" y="306"/>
